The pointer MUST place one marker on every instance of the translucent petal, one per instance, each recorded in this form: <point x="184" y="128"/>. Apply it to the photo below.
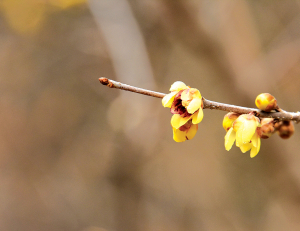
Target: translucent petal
<point x="229" y="119"/>
<point x="177" y="121"/>
<point x="246" y="131"/>
<point x="254" y="139"/>
<point x="190" y="94"/>
<point x="246" y="147"/>
<point x="168" y="99"/>
<point x="229" y="139"/>
<point x="178" y="86"/>
<point x="194" y="105"/>
<point x="195" y="93"/>
<point x="255" y="150"/>
<point x="197" y="117"/>
<point x="185" y="95"/>
<point x="192" y="131"/>
<point x="178" y="135"/>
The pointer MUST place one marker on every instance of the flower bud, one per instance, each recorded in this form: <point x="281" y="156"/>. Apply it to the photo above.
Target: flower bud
<point x="228" y="120"/>
<point x="277" y="125"/>
<point x="285" y="129"/>
<point x="266" y="102"/>
<point x="267" y="128"/>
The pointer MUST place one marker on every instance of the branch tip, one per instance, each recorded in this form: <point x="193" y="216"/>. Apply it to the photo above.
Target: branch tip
<point x="106" y="82"/>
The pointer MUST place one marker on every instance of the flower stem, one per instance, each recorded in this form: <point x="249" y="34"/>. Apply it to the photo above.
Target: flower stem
<point x="208" y="104"/>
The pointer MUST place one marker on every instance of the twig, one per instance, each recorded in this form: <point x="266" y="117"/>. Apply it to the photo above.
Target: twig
<point x="113" y="84"/>
<point x="208" y="104"/>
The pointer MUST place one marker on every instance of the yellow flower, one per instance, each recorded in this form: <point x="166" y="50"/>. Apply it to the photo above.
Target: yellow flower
<point x="186" y="106"/>
<point x="245" y="132"/>
<point x="185" y="132"/>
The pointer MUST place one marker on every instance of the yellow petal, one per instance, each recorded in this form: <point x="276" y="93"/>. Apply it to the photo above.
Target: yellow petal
<point x="185" y="95"/>
<point x="229" y="119"/>
<point x="178" y="86"/>
<point x="254" y="139"/>
<point x="197" y="117"/>
<point x="246" y="147"/>
<point x="245" y="131"/>
<point x="168" y="99"/>
<point x="229" y="139"/>
<point x="192" y="131"/>
<point x="255" y="150"/>
<point x="190" y="94"/>
<point x="179" y="136"/>
<point x="177" y="121"/>
<point x="194" y="105"/>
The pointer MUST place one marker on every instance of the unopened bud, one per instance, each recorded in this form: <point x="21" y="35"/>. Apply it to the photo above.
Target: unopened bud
<point x="228" y="120"/>
<point x="285" y="129"/>
<point x="267" y="128"/>
<point x="266" y="102"/>
<point x="277" y="125"/>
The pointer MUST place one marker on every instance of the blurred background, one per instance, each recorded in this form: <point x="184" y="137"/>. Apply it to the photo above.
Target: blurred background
<point x="76" y="155"/>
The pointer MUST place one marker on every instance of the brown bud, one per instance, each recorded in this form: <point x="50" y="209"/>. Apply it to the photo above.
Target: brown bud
<point x="277" y="125"/>
<point x="267" y="128"/>
<point x="285" y="129"/>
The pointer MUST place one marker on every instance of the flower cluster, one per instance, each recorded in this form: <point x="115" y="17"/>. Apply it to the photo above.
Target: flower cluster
<point x="245" y="130"/>
<point x="285" y="129"/>
<point x="186" y="106"/>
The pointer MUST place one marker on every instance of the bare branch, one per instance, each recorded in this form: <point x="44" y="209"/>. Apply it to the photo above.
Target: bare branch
<point x="113" y="84"/>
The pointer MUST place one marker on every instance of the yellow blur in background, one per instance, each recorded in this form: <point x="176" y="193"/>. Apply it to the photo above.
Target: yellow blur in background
<point x="28" y="16"/>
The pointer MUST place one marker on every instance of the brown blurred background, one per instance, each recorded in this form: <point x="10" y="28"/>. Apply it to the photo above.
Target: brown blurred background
<point x="76" y="155"/>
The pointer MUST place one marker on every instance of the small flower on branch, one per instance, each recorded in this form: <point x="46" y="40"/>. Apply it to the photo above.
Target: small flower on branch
<point x="245" y="132"/>
<point x="186" y="106"/>
<point x="247" y="129"/>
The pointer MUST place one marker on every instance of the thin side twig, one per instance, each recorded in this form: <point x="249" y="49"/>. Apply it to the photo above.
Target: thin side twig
<point x="114" y="84"/>
<point x="208" y="104"/>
